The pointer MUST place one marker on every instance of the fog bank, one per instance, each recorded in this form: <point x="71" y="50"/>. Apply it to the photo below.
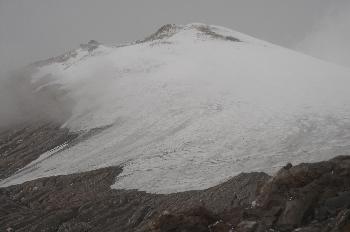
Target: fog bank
<point x="330" y="38"/>
<point x="21" y="102"/>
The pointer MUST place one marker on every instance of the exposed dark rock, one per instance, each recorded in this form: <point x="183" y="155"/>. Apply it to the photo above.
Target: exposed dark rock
<point x="306" y="194"/>
<point x="196" y="219"/>
<point x="165" y="31"/>
<point x="306" y="197"/>
<point x="220" y="226"/>
<point x="247" y="226"/>
<point x="303" y="198"/>
<point x="20" y="146"/>
<point x="85" y="201"/>
<point x="169" y="30"/>
<point x="208" y="31"/>
<point x="342" y="223"/>
<point x="90" y="46"/>
<point x="74" y="226"/>
<point x="57" y="59"/>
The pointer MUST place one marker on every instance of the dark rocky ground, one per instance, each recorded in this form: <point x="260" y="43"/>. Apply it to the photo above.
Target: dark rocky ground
<point x="22" y="144"/>
<point x="305" y="198"/>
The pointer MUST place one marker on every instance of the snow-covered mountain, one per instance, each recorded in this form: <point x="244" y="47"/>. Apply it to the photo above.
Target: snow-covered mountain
<point x="191" y="106"/>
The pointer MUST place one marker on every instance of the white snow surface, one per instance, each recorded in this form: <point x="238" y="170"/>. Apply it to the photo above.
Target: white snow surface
<point x="190" y="110"/>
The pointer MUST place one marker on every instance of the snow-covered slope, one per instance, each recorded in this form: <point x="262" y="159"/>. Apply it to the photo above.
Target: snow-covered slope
<point x="191" y="106"/>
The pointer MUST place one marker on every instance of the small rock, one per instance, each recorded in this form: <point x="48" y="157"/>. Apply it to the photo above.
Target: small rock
<point x="342" y="221"/>
<point x="220" y="226"/>
<point x="247" y="226"/>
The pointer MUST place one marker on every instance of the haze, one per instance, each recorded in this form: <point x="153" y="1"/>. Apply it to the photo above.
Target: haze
<point x="38" y="29"/>
<point x="32" y="30"/>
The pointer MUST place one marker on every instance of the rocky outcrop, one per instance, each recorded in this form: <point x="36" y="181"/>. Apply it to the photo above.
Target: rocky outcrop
<point x="90" y="46"/>
<point x="306" y="197"/>
<point x="85" y="202"/>
<point x="169" y="30"/>
<point x="20" y="146"/>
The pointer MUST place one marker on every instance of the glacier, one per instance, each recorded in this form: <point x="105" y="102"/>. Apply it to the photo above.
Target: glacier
<point x="193" y="105"/>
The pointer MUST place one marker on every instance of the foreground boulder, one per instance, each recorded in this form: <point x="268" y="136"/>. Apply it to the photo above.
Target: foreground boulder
<point x="307" y="197"/>
<point x="307" y="194"/>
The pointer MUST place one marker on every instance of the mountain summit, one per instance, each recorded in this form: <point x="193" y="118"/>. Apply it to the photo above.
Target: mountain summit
<point x="190" y="106"/>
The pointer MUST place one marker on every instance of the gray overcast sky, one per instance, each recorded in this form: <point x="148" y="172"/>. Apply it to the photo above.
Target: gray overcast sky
<point x="38" y="29"/>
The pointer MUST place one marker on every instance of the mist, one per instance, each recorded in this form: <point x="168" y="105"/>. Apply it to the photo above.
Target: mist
<point x="21" y="101"/>
<point x="329" y="40"/>
<point x="37" y="29"/>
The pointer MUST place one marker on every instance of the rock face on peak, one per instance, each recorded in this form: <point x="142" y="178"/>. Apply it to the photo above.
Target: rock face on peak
<point x="90" y="46"/>
<point x="169" y="30"/>
<point x="165" y="31"/>
<point x="210" y="31"/>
